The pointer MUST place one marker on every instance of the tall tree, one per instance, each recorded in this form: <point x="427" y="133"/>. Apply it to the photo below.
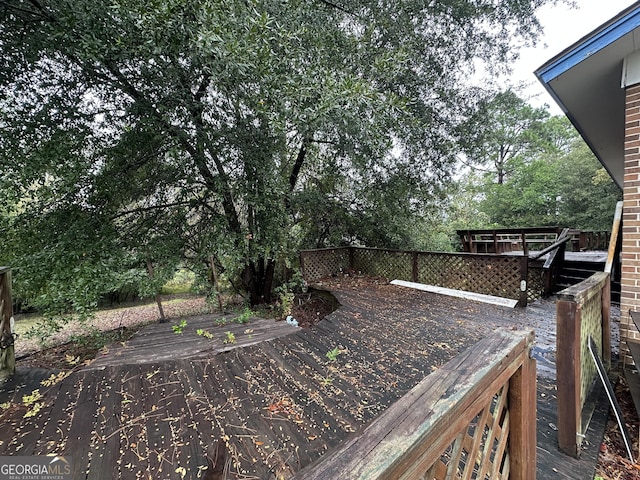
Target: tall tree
<point x="569" y="189"/>
<point x="151" y="131"/>
<point x="503" y="130"/>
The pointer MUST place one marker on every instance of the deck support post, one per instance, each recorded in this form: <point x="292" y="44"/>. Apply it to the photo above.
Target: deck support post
<point x="352" y="261"/>
<point x="522" y="414"/>
<point x="568" y="318"/>
<point x="414" y="266"/>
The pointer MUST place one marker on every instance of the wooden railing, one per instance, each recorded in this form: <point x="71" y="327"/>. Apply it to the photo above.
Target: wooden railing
<point x="582" y="310"/>
<point x="475" y="417"/>
<point x="590" y="240"/>
<point x="498" y="275"/>
<point x="508" y="239"/>
<point x="530" y="239"/>
<point x="7" y="356"/>
<point x="550" y="269"/>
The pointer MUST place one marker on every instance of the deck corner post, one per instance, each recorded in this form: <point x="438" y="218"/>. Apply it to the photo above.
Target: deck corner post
<point x="568" y="366"/>
<point x="522" y="412"/>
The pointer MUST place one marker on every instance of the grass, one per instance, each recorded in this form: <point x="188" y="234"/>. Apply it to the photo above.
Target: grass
<point x="182" y="282"/>
<point x="26" y="322"/>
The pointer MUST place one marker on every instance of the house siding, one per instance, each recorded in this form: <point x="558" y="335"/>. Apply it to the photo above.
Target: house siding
<point x="630" y="295"/>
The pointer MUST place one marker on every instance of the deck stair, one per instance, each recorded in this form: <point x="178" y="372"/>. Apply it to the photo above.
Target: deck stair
<point x="575" y="271"/>
<point x="631" y="373"/>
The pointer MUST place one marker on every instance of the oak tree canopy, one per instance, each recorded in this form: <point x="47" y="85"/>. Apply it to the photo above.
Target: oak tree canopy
<point x="170" y="131"/>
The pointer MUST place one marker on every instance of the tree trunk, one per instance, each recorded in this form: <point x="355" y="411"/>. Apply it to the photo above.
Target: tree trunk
<point x="7" y="354"/>
<point x="158" y="297"/>
<point x="257" y="278"/>
<point x="214" y="281"/>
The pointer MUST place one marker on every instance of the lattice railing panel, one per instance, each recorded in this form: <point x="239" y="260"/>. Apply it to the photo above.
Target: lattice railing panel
<point x="535" y="283"/>
<point x="442" y="271"/>
<point x="491" y="274"/>
<point x="591" y="325"/>
<point x="479" y="451"/>
<point x="317" y="264"/>
<point x="389" y="264"/>
<point x="497" y="275"/>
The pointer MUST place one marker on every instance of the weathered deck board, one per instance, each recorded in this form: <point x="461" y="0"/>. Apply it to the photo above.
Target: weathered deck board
<point x="81" y="439"/>
<point x="274" y="399"/>
<point x="59" y="417"/>
<point x="551" y="463"/>
<point x="135" y="456"/>
<point x="158" y="342"/>
<point x="105" y="455"/>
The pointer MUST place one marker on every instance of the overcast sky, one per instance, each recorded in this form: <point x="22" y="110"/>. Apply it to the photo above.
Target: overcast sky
<point x="563" y="26"/>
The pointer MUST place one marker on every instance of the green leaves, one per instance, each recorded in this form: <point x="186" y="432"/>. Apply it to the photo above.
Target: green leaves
<point x="172" y="130"/>
<point x="566" y="189"/>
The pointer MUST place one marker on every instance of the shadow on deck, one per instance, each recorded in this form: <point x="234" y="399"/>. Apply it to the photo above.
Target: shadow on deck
<point x="158" y="406"/>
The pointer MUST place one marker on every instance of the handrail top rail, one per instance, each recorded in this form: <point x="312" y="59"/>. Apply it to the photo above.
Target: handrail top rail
<point x="419" y="252"/>
<point x="550" y="229"/>
<point x="327" y="249"/>
<point x="583" y="291"/>
<point x="563" y="238"/>
<point x="451" y="391"/>
<point x="613" y="242"/>
<point x="4" y="269"/>
<point x="517" y="231"/>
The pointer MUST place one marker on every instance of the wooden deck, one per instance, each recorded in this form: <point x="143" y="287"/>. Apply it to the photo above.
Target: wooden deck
<point x="161" y="405"/>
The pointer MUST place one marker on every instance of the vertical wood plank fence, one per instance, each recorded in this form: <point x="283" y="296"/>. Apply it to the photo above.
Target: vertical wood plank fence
<point x="7" y="355"/>
<point x="582" y="310"/>
<point x="489" y="274"/>
<point x="475" y="417"/>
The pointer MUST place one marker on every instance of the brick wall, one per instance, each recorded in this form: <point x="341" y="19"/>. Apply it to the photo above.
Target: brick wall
<point x="630" y="298"/>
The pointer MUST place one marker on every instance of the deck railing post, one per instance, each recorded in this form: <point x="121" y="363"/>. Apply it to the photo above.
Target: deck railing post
<point x="352" y="262"/>
<point x="522" y="414"/>
<point x="414" y="266"/>
<point x="568" y="365"/>
<point x="524" y="273"/>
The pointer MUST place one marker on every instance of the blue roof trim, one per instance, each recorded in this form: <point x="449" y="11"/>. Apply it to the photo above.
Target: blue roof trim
<point x="592" y="45"/>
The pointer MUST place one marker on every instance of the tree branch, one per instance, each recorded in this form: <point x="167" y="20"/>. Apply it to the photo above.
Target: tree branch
<point x="150" y="208"/>
<point x="38" y="12"/>
<point x="194" y="152"/>
<point x="336" y="7"/>
<point x="295" y="171"/>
